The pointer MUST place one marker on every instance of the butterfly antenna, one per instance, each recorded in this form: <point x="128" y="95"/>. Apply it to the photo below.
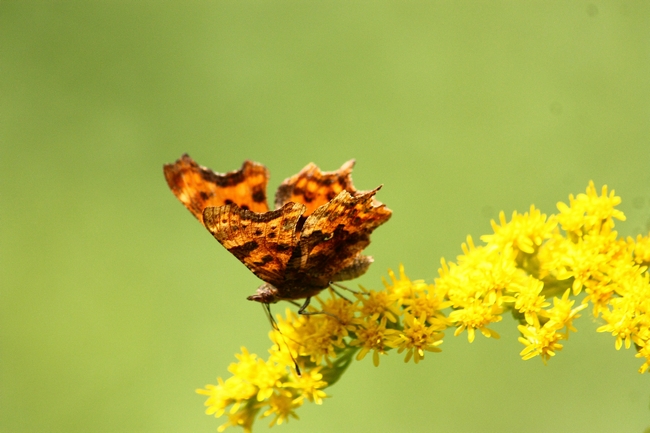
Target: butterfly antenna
<point x="274" y="325"/>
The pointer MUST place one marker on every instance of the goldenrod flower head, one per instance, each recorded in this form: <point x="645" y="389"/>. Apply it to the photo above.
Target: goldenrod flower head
<point x="232" y="391"/>
<point x="377" y="304"/>
<point x="621" y="323"/>
<point x="428" y="304"/>
<point x="562" y="315"/>
<point x="539" y="341"/>
<point x="315" y="336"/>
<point x="524" y="232"/>
<point x="317" y="342"/>
<point x="400" y="289"/>
<point x="282" y="406"/>
<point x="644" y="352"/>
<point x="242" y="418"/>
<point x="628" y="316"/>
<point x="482" y="272"/>
<point x="265" y="376"/>
<point x="588" y="212"/>
<point x="310" y="386"/>
<point x="529" y="301"/>
<point x="342" y="311"/>
<point x="416" y="338"/>
<point x="640" y="249"/>
<point x="371" y="335"/>
<point x="476" y="315"/>
<point x="239" y="391"/>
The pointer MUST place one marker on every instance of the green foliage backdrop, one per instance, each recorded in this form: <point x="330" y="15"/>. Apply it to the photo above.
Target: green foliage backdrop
<point x="115" y="304"/>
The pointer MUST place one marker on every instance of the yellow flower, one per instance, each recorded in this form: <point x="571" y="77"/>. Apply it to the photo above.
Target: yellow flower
<point x="235" y="392"/>
<point x="562" y="315"/>
<point x="628" y="316"/>
<point x="416" y="338"/>
<point x="371" y="335"/>
<point x="622" y="324"/>
<point x="588" y="212"/>
<point x="401" y="289"/>
<point x="314" y="336"/>
<point x="539" y="342"/>
<point x="309" y="386"/>
<point x="282" y="406"/>
<point x="377" y="304"/>
<point x="644" y="352"/>
<point x="242" y="419"/>
<point x="342" y="311"/>
<point x="481" y="273"/>
<point x="641" y="249"/>
<point x="265" y="376"/>
<point x="529" y="301"/>
<point x="524" y="232"/>
<point x="476" y="316"/>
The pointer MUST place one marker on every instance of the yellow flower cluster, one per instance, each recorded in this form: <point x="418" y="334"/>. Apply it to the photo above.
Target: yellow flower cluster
<point x="256" y="385"/>
<point x="529" y="267"/>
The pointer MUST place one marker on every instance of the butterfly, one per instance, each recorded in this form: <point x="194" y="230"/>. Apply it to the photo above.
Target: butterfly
<point x="313" y="237"/>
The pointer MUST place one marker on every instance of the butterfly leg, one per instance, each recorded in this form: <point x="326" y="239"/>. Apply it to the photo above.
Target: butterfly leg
<point x="302" y="311"/>
<point x="339" y="293"/>
<point x="341" y="286"/>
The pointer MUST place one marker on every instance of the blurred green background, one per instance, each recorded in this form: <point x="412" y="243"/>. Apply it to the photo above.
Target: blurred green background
<point x="116" y="304"/>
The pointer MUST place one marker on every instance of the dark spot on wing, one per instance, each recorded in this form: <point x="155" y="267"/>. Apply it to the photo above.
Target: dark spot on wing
<point x="267" y="258"/>
<point x="228" y="201"/>
<point x="204" y="195"/>
<point x="281" y="247"/>
<point x="223" y="180"/>
<point x="243" y="251"/>
<point x="308" y="196"/>
<point x="259" y="195"/>
<point x="271" y="235"/>
<point x="300" y="223"/>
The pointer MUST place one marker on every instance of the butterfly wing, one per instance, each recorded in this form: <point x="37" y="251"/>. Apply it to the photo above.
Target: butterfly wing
<point x="333" y="237"/>
<point x="199" y="187"/>
<point x="264" y="242"/>
<point x="314" y="188"/>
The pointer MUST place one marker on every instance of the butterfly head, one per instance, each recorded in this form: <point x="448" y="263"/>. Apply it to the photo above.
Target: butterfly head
<point x="266" y="293"/>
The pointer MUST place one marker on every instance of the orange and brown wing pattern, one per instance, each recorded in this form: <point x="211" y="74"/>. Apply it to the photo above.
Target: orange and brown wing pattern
<point x="198" y="187"/>
<point x="333" y="237"/>
<point x="264" y="242"/>
<point x="314" y="188"/>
